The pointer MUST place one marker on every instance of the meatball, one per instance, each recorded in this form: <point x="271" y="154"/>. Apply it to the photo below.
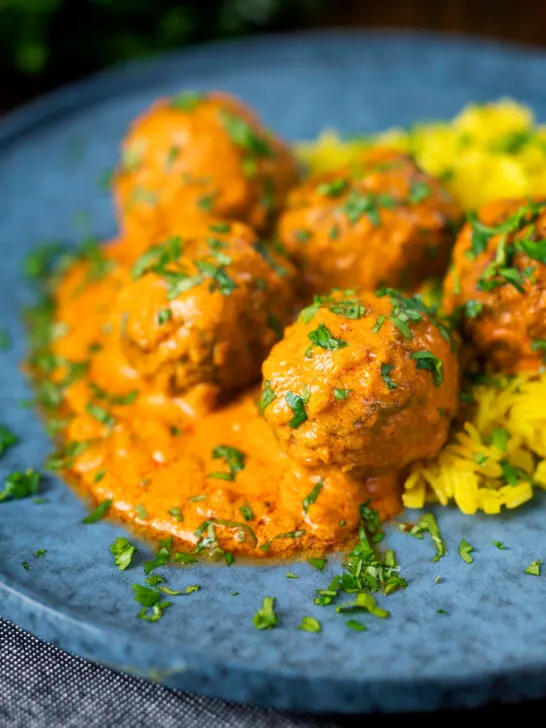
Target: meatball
<point x="380" y="222"/>
<point x="498" y="284"/>
<point x="362" y="381"/>
<point x="205" y="309"/>
<point x="201" y="152"/>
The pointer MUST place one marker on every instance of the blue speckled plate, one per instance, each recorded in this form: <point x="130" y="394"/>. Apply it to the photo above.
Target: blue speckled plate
<point x="492" y="644"/>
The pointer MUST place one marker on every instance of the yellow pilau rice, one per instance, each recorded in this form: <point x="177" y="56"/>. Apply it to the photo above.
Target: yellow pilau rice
<point x="488" y="152"/>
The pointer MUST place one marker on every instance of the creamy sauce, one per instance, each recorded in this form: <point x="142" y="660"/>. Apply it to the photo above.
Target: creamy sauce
<point x="153" y="454"/>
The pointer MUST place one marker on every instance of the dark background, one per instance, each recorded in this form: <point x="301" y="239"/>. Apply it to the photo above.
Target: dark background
<point x="44" y="43"/>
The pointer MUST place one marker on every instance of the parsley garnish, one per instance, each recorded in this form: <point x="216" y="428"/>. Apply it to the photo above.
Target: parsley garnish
<point x="465" y="550"/>
<point x="234" y="459"/>
<point x="419" y="191"/>
<point x="141" y="512"/>
<point x="100" y="414"/>
<point x="20" y="485"/>
<point x="297" y="405"/>
<point x="310" y="624"/>
<point x="265" y="618"/>
<point x="7" y="439"/>
<point x="220" y="227"/>
<point x="100" y="512"/>
<point x="176" y="513"/>
<point x="473" y="309"/>
<point x="182" y="558"/>
<point x="268" y="395"/>
<point x="539" y="345"/>
<point x="302" y="236"/>
<point x="499" y="545"/>
<point x="427" y="360"/>
<point x="150" y="598"/>
<point x="534" y="568"/>
<point x="480" y="458"/>
<point x="322" y="337"/>
<point x="246" y="512"/>
<point x="356" y="625"/>
<point x="206" y="202"/>
<point x="341" y="393"/>
<point x="187" y="100"/>
<point x="429" y="524"/>
<point x="162" y="558"/>
<point x="38" y="554"/>
<point x="311" y="498"/>
<point x="275" y="326"/>
<point x="289" y="534"/>
<point x="5" y="341"/>
<point x="386" y="369"/>
<point x="122" y="551"/>
<point x="244" y="136"/>
<point x="317" y="562"/>
<point x="333" y="189"/>
<point x="164" y="315"/>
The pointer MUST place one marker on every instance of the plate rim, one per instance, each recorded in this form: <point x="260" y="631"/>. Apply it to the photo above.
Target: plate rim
<point x="21" y="607"/>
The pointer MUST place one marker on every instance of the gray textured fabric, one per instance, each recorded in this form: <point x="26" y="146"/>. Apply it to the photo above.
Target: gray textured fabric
<point x="43" y="687"/>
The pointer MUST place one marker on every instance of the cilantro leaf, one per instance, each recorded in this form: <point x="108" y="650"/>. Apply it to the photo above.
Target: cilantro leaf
<point x="268" y="395"/>
<point x="99" y="513"/>
<point x="310" y="624"/>
<point x="465" y="550"/>
<point x="534" y="568"/>
<point x="265" y="618"/>
<point x="428" y="524"/>
<point x="386" y="370"/>
<point x="312" y="497"/>
<point x="322" y="337"/>
<point x="7" y="439"/>
<point x="427" y="360"/>
<point x="122" y="551"/>
<point x="297" y="405"/>
<point x="20" y="485"/>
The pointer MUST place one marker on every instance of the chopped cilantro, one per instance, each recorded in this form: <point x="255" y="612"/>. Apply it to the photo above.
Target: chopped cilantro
<point x="5" y="341"/>
<point x="512" y="475"/>
<point x="122" y="551"/>
<point x="362" y="600"/>
<point x="427" y="360"/>
<point x="419" y="191"/>
<point x="289" y="534"/>
<point x="312" y="497"/>
<point x="534" y="568"/>
<point x="473" y="309"/>
<point x="244" y="136"/>
<point x="182" y="558"/>
<point x="465" y="550"/>
<point x="310" y="624"/>
<point x="334" y="232"/>
<point x="290" y="575"/>
<point x="539" y="345"/>
<point x="187" y="100"/>
<point x="26" y="565"/>
<point x="234" y="459"/>
<point x="193" y="588"/>
<point x="141" y="512"/>
<point x="176" y="513"/>
<point x="499" y="545"/>
<point x="358" y="204"/>
<point x="220" y="227"/>
<point x="480" y="458"/>
<point x="7" y="439"/>
<point x="302" y="236"/>
<point x="297" y="405"/>
<point x="317" y="563"/>
<point x="386" y="370"/>
<point x="206" y="202"/>
<point x="172" y="155"/>
<point x="378" y="324"/>
<point x="150" y="599"/>
<point x="322" y="337"/>
<point x="38" y="554"/>
<point x="429" y="524"/>
<point x="442" y="611"/>
<point x="333" y="189"/>
<point x="20" y="484"/>
<point x="229" y="558"/>
<point x="99" y="475"/>
<point x="246" y="512"/>
<point x="99" y="513"/>
<point x="265" y="618"/>
<point x="356" y="625"/>
<point x="341" y="393"/>
<point x="536" y="250"/>
<point x="268" y="395"/>
<point x="100" y="414"/>
<point x="164" y="315"/>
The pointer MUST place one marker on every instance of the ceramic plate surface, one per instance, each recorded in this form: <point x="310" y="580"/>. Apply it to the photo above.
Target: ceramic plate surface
<point x="492" y="644"/>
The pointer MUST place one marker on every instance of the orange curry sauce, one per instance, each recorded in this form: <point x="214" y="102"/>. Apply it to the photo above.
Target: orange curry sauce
<point x="153" y="454"/>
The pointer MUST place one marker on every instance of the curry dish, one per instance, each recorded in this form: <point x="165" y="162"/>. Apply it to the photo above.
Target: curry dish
<point x="252" y="360"/>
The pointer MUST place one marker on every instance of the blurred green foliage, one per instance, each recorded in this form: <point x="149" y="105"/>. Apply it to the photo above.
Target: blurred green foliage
<point x="65" y="38"/>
